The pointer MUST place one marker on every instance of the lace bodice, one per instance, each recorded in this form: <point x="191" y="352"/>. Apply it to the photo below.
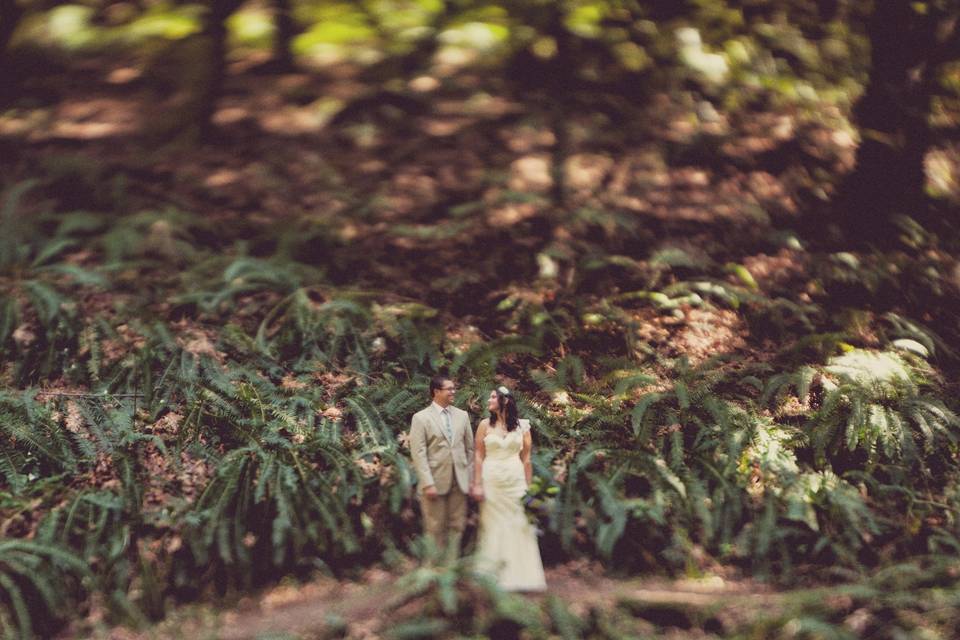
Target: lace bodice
<point x="500" y="447"/>
<point x="503" y="447"/>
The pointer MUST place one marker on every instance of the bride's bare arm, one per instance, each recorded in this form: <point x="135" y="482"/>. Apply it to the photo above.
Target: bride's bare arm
<point x="479" y="452"/>
<point x="525" y="456"/>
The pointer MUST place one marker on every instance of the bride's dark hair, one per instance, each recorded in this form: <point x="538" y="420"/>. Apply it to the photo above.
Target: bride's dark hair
<point x="508" y="406"/>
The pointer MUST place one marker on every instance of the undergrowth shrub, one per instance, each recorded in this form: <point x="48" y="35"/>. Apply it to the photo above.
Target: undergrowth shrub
<point x="40" y="585"/>
<point x="39" y="320"/>
<point x="867" y="407"/>
<point x="266" y="431"/>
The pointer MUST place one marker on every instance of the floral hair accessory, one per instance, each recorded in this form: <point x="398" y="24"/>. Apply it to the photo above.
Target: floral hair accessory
<point x="502" y="390"/>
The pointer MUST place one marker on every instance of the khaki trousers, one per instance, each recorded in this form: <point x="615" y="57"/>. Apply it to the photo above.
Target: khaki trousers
<point x="444" y="519"/>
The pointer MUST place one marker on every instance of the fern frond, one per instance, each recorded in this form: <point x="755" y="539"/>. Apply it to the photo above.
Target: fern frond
<point x="373" y="431"/>
<point x="484" y="356"/>
<point x="638" y="417"/>
<point x="35" y="581"/>
<point x="14" y="229"/>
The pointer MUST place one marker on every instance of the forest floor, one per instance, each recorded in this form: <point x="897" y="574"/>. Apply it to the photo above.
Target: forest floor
<point x="420" y="194"/>
<point x="316" y="145"/>
<point x="360" y="609"/>
<point x="458" y="176"/>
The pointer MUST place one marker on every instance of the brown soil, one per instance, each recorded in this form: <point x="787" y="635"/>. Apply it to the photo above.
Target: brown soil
<point x="312" y="609"/>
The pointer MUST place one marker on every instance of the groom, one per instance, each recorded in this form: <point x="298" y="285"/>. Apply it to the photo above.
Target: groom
<point x="441" y="445"/>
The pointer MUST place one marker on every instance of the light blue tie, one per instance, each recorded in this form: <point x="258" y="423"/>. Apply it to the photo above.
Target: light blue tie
<point x="446" y="424"/>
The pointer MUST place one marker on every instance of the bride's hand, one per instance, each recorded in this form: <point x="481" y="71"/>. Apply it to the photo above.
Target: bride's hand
<point x="477" y="493"/>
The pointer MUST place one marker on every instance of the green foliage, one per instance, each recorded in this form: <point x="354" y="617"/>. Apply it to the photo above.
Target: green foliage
<point x="267" y="505"/>
<point x="38" y="586"/>
<point x="294" y="488"/>
<point x="877" y="403"/>
<point x="692" y="400"/>
<point x="456" y="597"/>
<point x="299" y="406"/>
<point x="101" y="527"/>
<point x="482" y="358"/>
<point x="216" y="283"/>
<point x="291" y="388"/>
<point x="14" y="226"/>
<point x="145" y="239"/>
<point x="909" y="329"/>
<point x="33" y="444"/>
<point x="569" y="375"/>
<point x="38" y="318"/>
<point x="704" y="472"/>
<point x="916" y="599"/>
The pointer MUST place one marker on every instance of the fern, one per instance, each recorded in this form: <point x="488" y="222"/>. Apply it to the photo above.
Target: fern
<point x="871" y="402"/>
<point x="933" y="419"/>
<point x="30" y="427"/>
<point x="273" y="497"/>
<point x="417" y="344"/>
<point x="373" y="431"/>
<point x="27" y="262"/>
<point x="614" y="516"/>
<point x="16" y="230"/>
<point x="777" y="386"/>
<point x="697" y="291"/>
<point x="569" y="373"/>
<point x="243" y="276"/>
<point x="398" y="404"/>
<point x="484" y="357"/>
<point x="453" y="597"/>
<point x="569" y="626"/>
<point x="38" y="585"/>
<point x="902" y="327"/>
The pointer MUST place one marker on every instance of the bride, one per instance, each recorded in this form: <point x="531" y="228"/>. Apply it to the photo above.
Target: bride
<point x="507" y="546"/>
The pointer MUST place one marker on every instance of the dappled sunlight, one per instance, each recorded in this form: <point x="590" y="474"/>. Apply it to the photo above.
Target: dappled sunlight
<point x="124" y="75"/>
<point x="20" y="123"/>
<point x="230" y="115"/>
<point x="443" y="127"/>
<point x="512" y="214"/>
<point x="587" y="172"/>
<point x="711" y="248"/>
<point x="92" y="118"/>
<point x="531" y="174"/>
<point x="942" y="168"/>
<point x="704" y="333"/>
<point x="222" y="178"/>
<point x="779" y="272"/>
<point x="424" y="84"/>
<point x="884" y="371"/>
<point x="526" y="138"/>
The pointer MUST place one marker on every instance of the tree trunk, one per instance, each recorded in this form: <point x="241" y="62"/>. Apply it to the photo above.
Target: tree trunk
<point x="215" y="31"/>
<point x="892" y="116"/>
<point x="283" y="38"/>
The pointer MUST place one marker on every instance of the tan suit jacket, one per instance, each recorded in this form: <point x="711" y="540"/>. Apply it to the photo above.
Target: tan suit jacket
<point x="439" y="461"/>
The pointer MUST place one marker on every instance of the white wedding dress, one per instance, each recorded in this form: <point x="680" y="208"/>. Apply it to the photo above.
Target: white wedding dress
<point x="507" y="546"/>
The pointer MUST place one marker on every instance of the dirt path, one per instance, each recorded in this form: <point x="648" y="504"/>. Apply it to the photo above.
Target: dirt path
<point x="330" y="608"/>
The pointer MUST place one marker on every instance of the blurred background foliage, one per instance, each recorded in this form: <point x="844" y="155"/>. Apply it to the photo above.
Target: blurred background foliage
<point x="712" y="244"/>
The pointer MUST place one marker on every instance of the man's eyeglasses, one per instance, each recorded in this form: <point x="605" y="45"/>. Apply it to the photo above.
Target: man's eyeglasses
<point x="448" y="388"/>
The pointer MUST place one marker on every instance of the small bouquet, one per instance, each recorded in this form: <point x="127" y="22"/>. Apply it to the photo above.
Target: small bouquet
<point x="538" y="502"/>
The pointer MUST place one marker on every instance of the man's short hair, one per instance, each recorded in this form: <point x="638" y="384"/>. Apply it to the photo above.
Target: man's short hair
<point x="436" y="383"/>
